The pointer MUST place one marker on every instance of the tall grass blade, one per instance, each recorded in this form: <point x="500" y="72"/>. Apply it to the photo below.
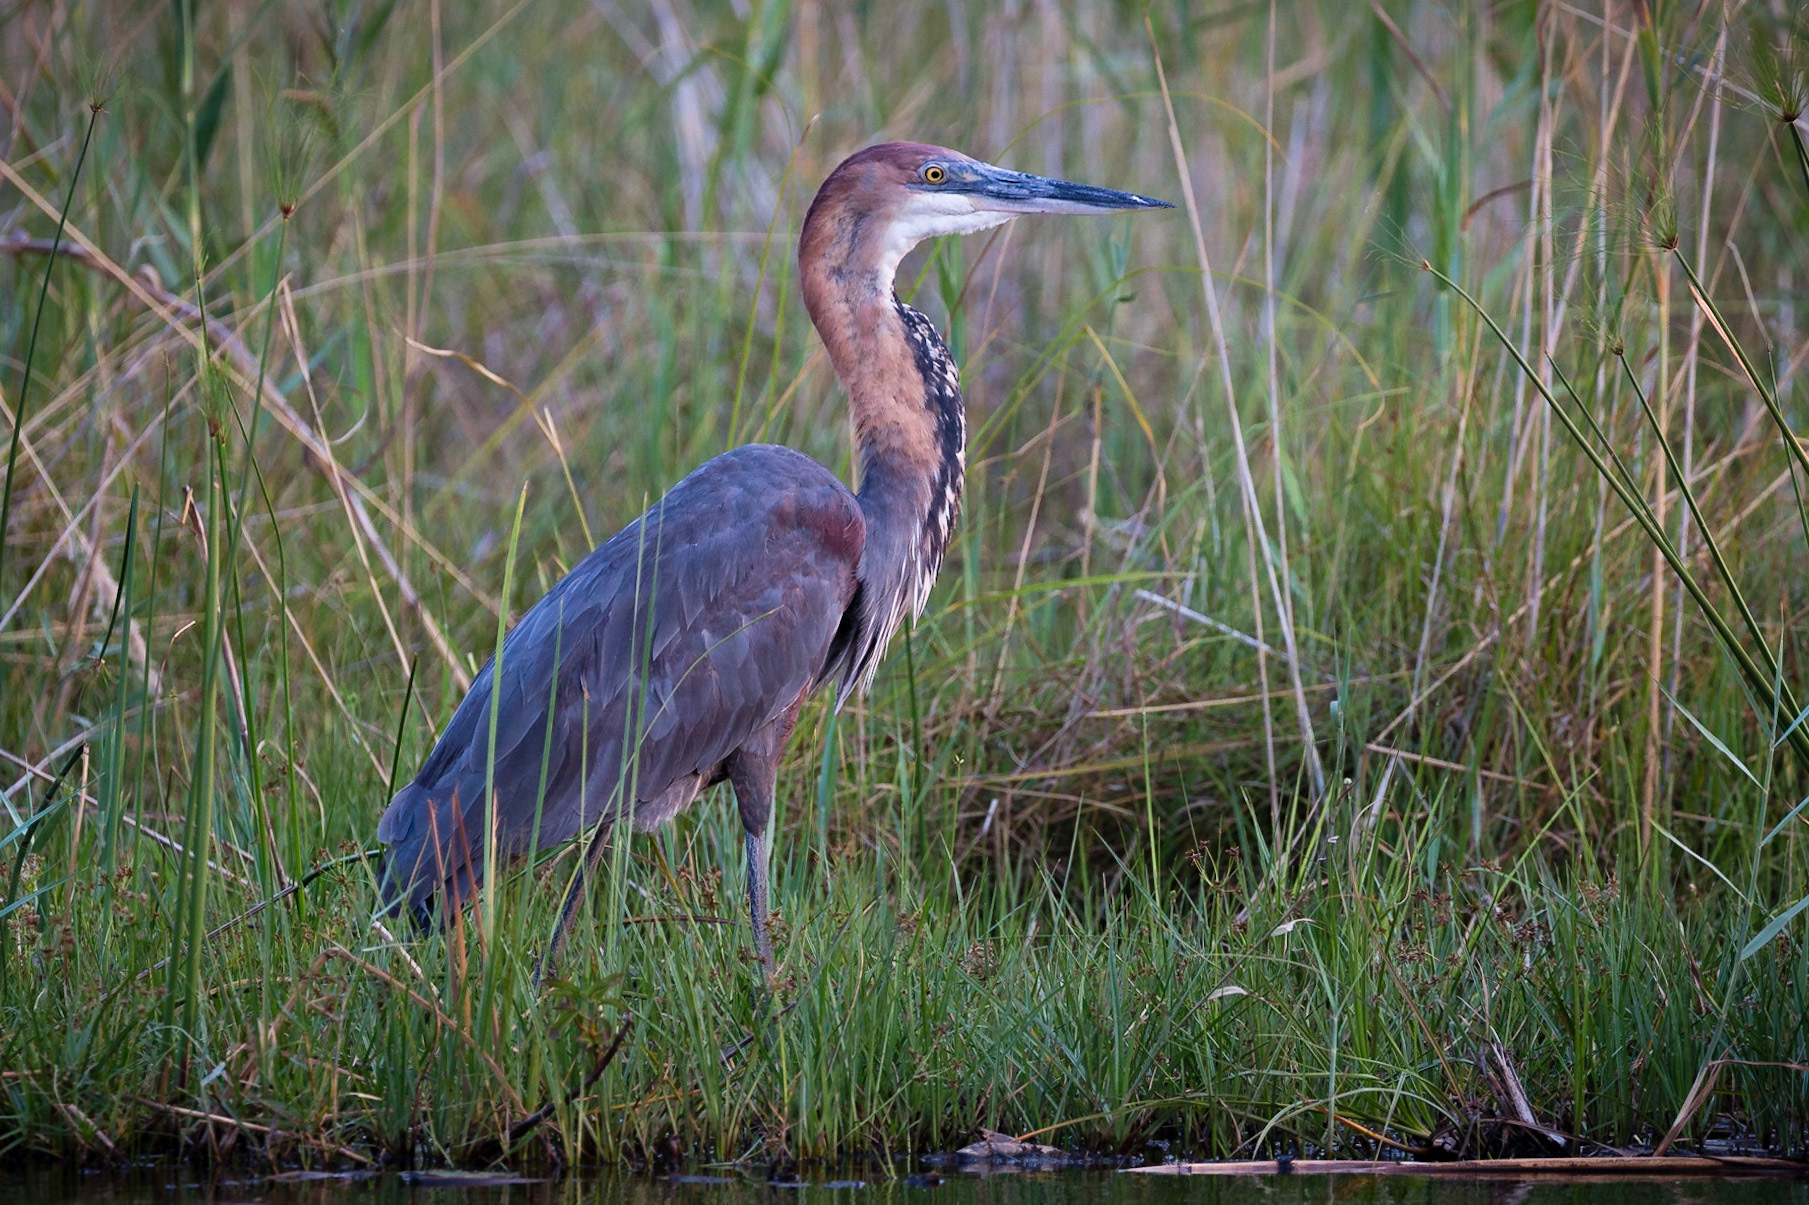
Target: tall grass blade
<point x="1720" y="747"/>
<point x="496" y="679"/>
<point x="1764" y="936"/>
<point x="31" y="344"/>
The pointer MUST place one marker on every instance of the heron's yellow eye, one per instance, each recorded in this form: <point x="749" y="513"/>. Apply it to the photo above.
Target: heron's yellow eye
<point x="934" y="174"/>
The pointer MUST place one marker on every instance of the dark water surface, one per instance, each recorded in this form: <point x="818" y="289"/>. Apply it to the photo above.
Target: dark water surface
<point x="170" y="1184"/>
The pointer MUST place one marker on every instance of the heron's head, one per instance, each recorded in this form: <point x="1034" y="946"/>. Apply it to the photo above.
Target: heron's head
<point x="884" y="200"/>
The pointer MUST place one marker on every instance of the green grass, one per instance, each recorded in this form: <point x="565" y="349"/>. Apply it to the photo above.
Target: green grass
<point x="482" y="281"/>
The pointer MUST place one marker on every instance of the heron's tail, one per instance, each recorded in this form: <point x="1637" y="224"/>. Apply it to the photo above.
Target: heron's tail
<point x="399" y="897"/>
<point x="430" y="865"/>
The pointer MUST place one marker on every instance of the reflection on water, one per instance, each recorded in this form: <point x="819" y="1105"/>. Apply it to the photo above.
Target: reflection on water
<point x="167" y="1184"/>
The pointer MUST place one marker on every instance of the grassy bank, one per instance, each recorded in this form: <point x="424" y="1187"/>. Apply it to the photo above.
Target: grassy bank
<point x="1358" y="999"/>
<point x="1371" y="656"/>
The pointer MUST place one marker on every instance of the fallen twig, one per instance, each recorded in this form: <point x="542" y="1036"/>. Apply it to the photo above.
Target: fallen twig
<point x="526" y="1125"/>
<point x="84" y="1126"/>
<point x="250" y="1127"/>
<point x="285" y="893"/>
<point x="1513" y="1093"/>
<point x="1456" y="767"/>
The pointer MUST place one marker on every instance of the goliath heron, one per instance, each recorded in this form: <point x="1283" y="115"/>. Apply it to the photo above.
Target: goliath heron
<point x="679" y="653"/>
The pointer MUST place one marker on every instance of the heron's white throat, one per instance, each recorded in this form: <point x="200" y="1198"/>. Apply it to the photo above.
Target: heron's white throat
<point x="932" y="215"/>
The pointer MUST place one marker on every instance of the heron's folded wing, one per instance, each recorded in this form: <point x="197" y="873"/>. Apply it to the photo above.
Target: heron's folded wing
<point x="654" y="659"/>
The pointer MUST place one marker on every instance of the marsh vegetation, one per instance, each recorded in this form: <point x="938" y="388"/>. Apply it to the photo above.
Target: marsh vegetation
<point x="1366" y="687"/>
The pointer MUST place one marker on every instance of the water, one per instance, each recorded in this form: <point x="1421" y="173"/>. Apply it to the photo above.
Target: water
<point x="174" y="1185"/>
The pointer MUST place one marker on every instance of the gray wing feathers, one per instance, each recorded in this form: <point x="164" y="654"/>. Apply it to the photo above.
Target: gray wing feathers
<point x="660" y="653"/>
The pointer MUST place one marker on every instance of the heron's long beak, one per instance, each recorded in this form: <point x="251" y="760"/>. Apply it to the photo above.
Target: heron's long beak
<point x="1000" y="190"/>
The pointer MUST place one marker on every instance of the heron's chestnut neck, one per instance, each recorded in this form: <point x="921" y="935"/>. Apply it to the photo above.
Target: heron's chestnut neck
<point x="904" y="393"/>
<point x="897" y="371"/>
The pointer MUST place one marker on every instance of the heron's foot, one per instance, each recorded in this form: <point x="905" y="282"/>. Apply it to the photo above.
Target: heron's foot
<point x="747" y="1039"/>
<point x="769" y="971"/>
<point x="771" y="986"/>
<point x="547" y="965"/>
<point x="729" y="1052"/>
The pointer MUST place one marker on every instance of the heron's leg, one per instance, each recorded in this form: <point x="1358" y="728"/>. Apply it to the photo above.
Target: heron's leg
<point x="593" y="854"/>
<point x="756" y="908"/>
<point x="756" y="899"/>
<point x="753" y="779"/>
<point x="754" y="769"/>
